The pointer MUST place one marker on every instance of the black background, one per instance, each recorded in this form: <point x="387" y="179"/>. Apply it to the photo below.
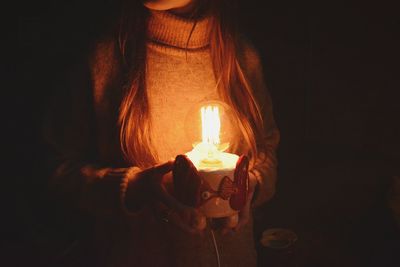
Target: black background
<point x="333" y="72"/>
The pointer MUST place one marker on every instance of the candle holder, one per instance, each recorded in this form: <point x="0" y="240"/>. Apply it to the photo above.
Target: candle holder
<point x="208" y="178"/>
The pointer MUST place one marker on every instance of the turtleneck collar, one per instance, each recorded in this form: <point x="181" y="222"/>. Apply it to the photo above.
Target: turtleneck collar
<point x="168" y="29"/>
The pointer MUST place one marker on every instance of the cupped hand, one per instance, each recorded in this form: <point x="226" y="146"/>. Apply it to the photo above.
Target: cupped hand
<point x="186" y="218"/>
<point x="144" y="186"/>
<point x="159" y="184"/>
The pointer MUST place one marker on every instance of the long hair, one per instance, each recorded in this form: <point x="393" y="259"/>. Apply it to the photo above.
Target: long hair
<point x="232" y="83"/>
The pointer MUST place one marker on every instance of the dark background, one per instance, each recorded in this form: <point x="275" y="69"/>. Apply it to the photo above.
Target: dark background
<point x="333" y="73"/>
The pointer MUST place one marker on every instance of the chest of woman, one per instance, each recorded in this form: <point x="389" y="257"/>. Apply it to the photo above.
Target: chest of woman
<point x="176" y="82"/>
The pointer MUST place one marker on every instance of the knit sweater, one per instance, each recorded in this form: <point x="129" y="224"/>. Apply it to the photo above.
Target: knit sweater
<point x="177" y="80"/>
<point x="91" y="174"/>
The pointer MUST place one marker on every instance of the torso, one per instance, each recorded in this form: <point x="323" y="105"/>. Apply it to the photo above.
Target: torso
<point x="176" y="84"/>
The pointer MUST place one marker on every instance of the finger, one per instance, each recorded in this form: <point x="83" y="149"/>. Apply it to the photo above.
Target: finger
<point x="199" y="222"/>
<point x="163" y="168"/>
<point x="168" y="199"/>
<point x="158" y="170"/>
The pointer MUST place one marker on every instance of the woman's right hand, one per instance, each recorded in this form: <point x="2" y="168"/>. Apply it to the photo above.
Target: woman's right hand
<point x="155" y="184"/>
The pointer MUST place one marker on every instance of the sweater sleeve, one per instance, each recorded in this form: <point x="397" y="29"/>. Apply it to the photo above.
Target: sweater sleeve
<point x="78" y="179"/>
<point x="265" y="167"/>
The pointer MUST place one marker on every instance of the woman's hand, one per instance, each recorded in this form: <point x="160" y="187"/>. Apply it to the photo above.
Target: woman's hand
<point x="186" y="218"/>
<point x="145" y="186"/>
<point x="155" y="185"/>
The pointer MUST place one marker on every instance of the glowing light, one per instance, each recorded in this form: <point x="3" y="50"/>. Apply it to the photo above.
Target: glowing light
<point x="209" y="153"/>
<point x="211" y="125"/>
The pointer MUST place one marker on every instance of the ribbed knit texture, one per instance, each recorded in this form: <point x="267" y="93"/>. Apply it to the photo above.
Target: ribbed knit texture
<point x="177" y="79"/>
<point x="170" y="30"/>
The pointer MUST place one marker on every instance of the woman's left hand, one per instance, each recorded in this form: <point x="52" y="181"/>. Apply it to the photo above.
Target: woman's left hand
<point x="244" y="214"/>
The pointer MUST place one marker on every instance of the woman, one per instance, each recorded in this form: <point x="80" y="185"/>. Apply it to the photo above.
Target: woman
<point x="114" y="139"/>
